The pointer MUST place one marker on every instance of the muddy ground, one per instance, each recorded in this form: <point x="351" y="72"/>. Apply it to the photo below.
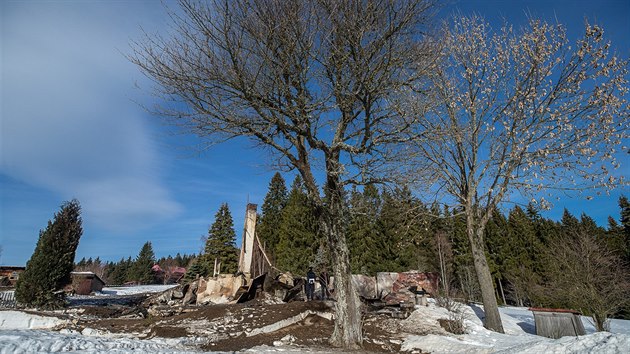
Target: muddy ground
<point x="234" y="327"/>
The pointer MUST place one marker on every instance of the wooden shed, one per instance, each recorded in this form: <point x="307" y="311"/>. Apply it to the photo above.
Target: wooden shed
<point x="556" y="323"/>
<point x="85" y="283"/>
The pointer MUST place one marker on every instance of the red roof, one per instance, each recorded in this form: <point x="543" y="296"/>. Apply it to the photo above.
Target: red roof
<point x="181" y="270"/>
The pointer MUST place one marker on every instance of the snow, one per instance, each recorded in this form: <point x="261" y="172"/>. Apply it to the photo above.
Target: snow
<point x="519" y="336"/>
<point x="134" y="290"/>
<point x="40" y="341"/>
<point x="21" y="320"/>
<point x="22" y="332"/>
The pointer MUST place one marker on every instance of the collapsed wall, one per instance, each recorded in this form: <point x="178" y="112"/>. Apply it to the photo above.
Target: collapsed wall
<point x="393" y="288"/>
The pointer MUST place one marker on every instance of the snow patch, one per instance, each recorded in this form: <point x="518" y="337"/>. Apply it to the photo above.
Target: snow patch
<point x="21" y="320"/>
<point x="519" y="336"/>
<point x="133" y="290"/>
<point x="39" y="341"/>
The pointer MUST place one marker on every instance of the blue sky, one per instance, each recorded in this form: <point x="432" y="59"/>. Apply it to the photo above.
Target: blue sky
<point x="71" y="127"/>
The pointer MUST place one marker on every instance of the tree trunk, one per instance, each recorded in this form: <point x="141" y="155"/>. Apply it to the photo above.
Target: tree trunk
<point x="348" y="332"/>
<point x="490" y="306"/>
<point x="502" y="293"/>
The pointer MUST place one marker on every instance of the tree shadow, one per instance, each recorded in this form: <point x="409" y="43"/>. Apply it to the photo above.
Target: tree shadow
<point x="526" y="322"/>
<point x="527" y="327"/>
<point x="478" y="311"/>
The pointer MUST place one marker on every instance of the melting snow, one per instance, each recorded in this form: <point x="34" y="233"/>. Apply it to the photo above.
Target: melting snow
<point x="26" y="333"/>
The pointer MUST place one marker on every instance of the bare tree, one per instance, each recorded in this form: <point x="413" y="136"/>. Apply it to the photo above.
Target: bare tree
<point x="520" y="112"/>
<point x="317" y="82"/>
<point x="583" y="274"/>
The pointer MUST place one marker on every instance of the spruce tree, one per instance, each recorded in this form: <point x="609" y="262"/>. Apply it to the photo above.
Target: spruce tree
<point x="618" y="235"/>
<point x="274" y="203"/>
<point x="520" y="265"/>
<point x="496" y="247"/>
<point x="569" y="223"/>
<point x="49" y="268"/>
<point x="405" y="223"/>
<point x="221" y="244"/>
<point x="442" y="244"/>
<point x="365" y="234"/>
<point x="142" y="271"/>
<point x="298" y="243"/>
<point x="624" y="205"/>
<point x="194" y="270"/>
<point x="119" y="272"/>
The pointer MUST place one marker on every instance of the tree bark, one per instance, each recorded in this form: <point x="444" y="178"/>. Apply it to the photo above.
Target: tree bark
<point x="348" y="332"/>
<point x="492" y="320"/>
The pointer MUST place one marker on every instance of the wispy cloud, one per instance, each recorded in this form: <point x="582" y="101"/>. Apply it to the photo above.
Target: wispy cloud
<point x="68" y="121"/>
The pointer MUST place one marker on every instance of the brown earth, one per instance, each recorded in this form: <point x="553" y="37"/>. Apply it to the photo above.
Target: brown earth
<point x="230" y="327"/>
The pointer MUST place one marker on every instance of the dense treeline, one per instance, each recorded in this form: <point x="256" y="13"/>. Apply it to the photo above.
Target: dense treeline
<point x="137" y="270"/>
<point x="533" y="259"/>
<point x="219" y="246"/>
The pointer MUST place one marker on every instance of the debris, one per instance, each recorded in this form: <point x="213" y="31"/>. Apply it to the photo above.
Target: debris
<point x="253" y="290"/>
<point x="220" y="289"/>
<point x="288" y="339"/>
<point x="191" y="294"/>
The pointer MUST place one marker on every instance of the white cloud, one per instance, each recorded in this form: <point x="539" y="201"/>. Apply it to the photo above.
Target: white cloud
<point x="68" y="122"/>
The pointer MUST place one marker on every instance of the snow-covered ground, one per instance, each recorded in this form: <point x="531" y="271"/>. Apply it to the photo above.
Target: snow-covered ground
<point x="64" y="341"/>
<point x="22" y="320"/>
<point x="519" y="337"/>
<point x="133" y="290"/>
<point x="27" y="333"/>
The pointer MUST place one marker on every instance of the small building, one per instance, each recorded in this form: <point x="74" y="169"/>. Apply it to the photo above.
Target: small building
<point x="12" y="274"/>
<point x="172" y="275"/>
<point x="85" y="283"/>
<point x="556" y="323"/>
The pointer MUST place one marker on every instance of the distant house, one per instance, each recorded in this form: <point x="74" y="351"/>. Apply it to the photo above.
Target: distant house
<point x="174" y="275"/>
<point x="11" y="274"/>
<point x="85" y="283"/>
<point x="171" y="275"/>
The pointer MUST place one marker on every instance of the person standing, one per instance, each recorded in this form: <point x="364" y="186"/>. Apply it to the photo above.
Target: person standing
<point x="310" y="284"/>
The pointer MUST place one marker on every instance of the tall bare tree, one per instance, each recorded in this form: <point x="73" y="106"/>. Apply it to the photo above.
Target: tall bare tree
<point x="317" y="82"/>
<point x="520" y="112"/>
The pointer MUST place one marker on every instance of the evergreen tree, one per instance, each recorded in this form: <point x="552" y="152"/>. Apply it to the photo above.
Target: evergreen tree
<point x="407" y="240"/>
<point x="274" y="203"/>
<point x="179" y="260"/>
<point x="524" y="250"/>
<point x="365" y="233"/>
<point x="298" y="244"/>
<point x="119" y="272"/>
<point x="142" y="271"/>
<point x="220" y="244"/>
<point x="624" y="205"/>
<point x="442" y="244"/>
<point x="465" y="273"/>
<point x="497" y="249"/>
<point x="569" y="223"/>
<point x="194" y="270"/>
<point x="49" y="268"/>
